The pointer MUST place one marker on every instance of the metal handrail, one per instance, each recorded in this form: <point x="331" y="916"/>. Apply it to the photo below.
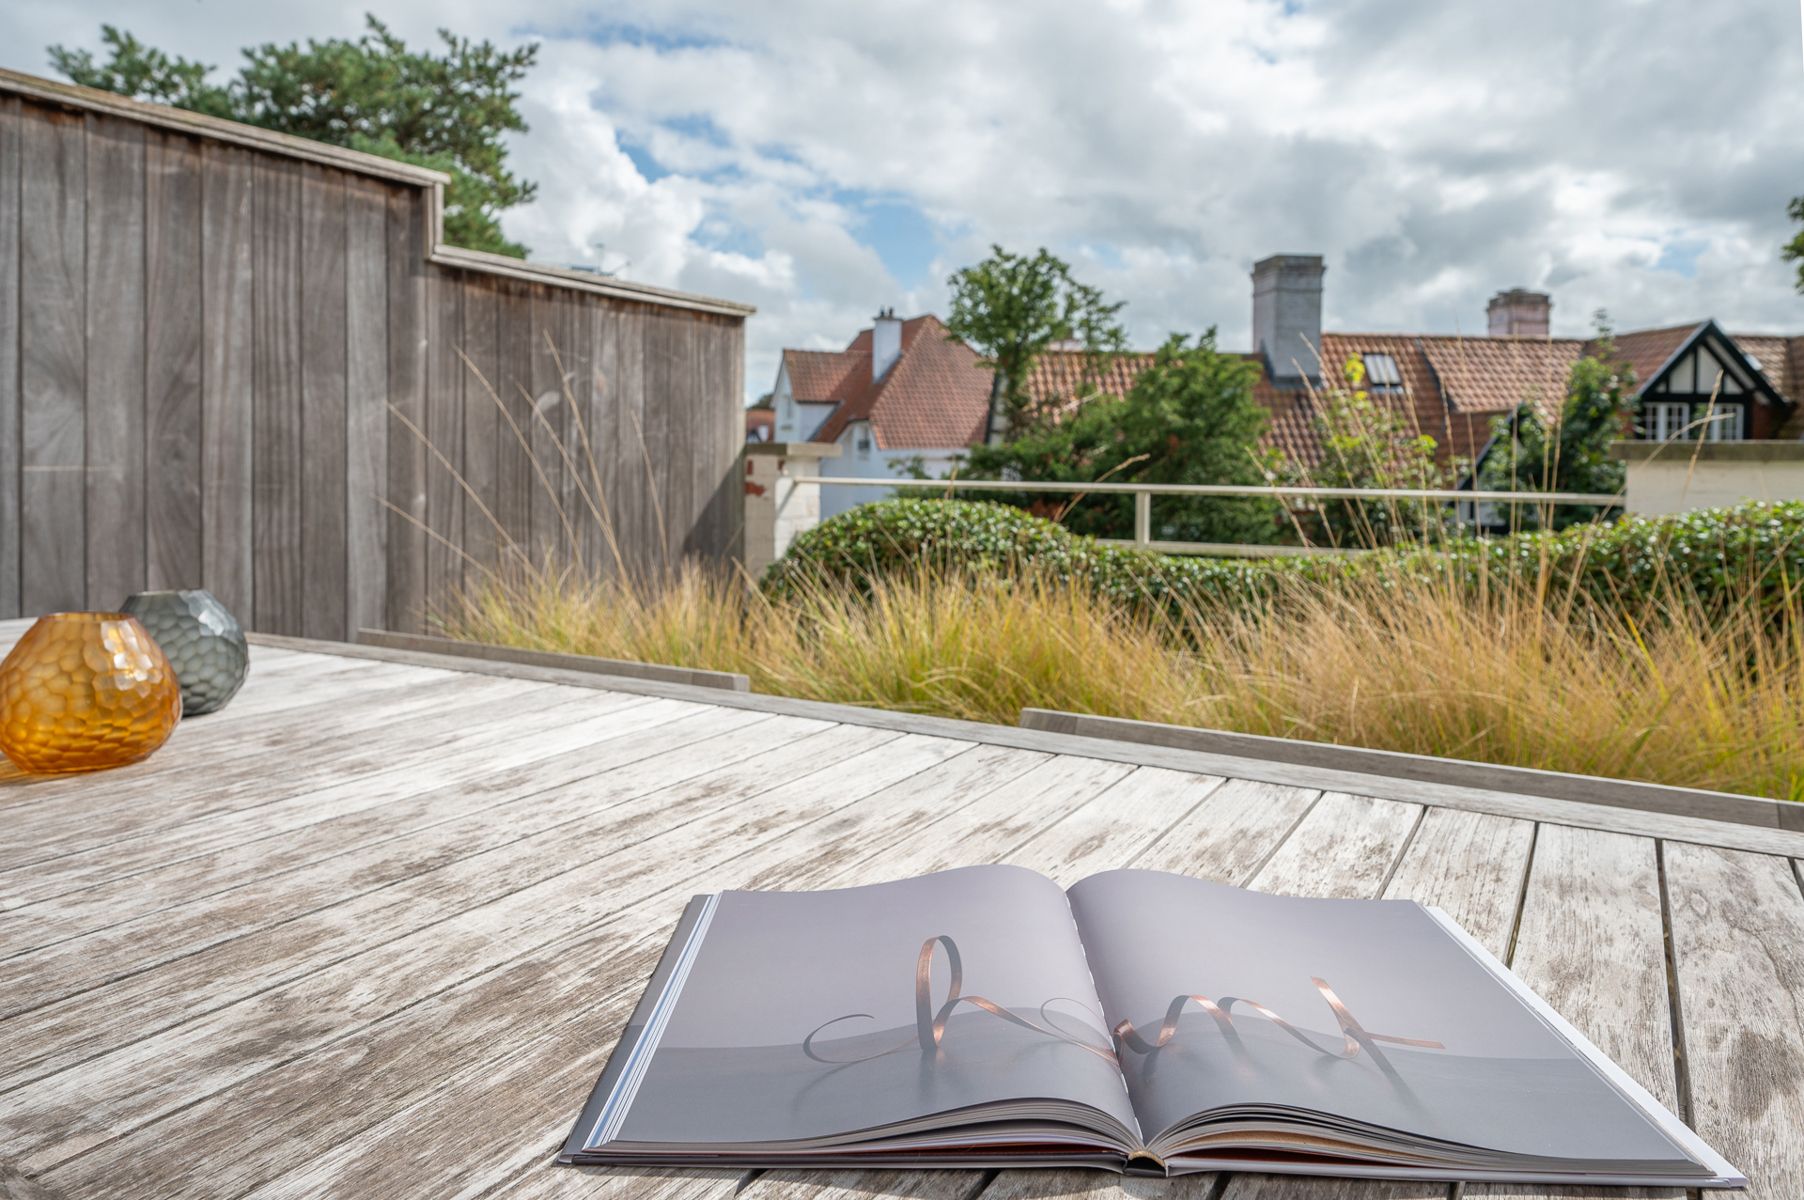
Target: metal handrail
<point x="1143" y="494"/>
<point x="1224" y="489"/>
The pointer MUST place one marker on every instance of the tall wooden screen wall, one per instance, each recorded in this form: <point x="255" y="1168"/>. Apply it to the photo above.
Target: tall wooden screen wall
<point x="217" y="345"/>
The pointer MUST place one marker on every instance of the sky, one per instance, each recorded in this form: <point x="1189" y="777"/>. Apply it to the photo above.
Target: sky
<point x="823" y="159"/>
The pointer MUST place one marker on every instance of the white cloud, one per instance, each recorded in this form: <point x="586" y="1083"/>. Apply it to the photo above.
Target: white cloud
<point x="1629" y="154"/>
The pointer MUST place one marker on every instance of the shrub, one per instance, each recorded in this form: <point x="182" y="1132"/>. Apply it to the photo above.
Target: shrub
<point x="1713" y="556"/>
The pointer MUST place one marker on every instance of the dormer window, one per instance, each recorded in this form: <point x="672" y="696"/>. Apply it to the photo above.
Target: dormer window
<point x="1382" y="374"/>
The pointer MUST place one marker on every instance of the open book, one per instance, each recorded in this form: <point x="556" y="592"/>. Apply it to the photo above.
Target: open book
<point x="1143" y="1022"/>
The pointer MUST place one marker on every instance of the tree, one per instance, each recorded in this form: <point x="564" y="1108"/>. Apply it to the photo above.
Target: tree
<point x="1793" y="251"/>
<point x="1011" y="309"/>
<point x="1369" y="444"/>
<point x="1189" y="418"/>
<point x="1572" y="454"/>
<point x="448" y="111"/>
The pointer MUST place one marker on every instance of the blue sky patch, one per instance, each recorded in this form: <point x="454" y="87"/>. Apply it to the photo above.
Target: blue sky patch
<point x="1681" y="257"/>
<point x="901" y="234"/>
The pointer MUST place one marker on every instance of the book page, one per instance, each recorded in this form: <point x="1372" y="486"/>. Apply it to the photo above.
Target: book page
<point x="807" y="1015"/>
<point x="1365" y="1010"/>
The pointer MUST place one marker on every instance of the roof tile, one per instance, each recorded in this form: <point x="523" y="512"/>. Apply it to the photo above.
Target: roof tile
<point x="936" y="396"/>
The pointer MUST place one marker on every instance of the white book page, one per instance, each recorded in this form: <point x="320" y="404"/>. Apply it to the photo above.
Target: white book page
<point x="1364" y="1011"/>
<point x="810" y="1015"/>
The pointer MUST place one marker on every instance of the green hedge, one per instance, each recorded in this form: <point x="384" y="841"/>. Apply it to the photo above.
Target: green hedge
<point x="1713" y="552"/>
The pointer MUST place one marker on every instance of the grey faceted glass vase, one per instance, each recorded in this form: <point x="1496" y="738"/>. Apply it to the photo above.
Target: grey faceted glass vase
<point x="203" y="642"/>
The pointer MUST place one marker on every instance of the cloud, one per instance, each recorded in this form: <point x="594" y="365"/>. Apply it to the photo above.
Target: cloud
<point x="822" y="160"/>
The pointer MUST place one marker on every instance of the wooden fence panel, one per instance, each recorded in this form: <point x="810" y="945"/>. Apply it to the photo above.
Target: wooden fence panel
<point x="513" y="461"/>
<point x="227" y="359"/>
<point x="407" y="327"/>
<point x="172" y="359"/>
<point x="669" y="372"/>
<point x="572" y="340"/>
<point x="482" y="426"/>
<point x="227" y="308"/>
<point x="545" y="386"/>
<point x="53" y="362"/>
<point x="324" y="347"/>
<point x="114" y="476"/>
<point x="445" y="434"/>
<point x="10" y="161"/>
<point x="635" y="484"/>
<point x="366" y="404"/>
<point x="604" y="440"/>
<point x="276" y="397"/>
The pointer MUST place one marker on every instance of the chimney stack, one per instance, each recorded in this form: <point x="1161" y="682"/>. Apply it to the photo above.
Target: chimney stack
<point x="1519" y="313"/>
<point x="1287" y="315"/>
<point x="886" y="343"/>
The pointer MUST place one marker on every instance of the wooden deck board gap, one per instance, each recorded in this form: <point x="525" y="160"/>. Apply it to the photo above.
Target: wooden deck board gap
<point x="1528" y="871"/>
<point x="1681" y="1068"/>
<point x="1402" y="851"/>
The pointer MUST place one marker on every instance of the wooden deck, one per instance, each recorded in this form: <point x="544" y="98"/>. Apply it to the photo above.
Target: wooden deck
<point x="372" y="930"/>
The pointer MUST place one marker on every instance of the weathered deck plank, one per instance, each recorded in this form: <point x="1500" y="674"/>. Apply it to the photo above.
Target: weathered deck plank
<point x="433" y="896"/>
<point x="1591" y="942"/>
<point x="417" y="723"/>
<point x="184" y="865"/>
<point x="1738" y="949"/>
<point x="540" y="902"/>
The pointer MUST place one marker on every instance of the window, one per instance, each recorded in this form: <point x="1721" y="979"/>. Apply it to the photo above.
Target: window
<point x="863" y="442"/>
<point x="1382" y="374"/>
<point x="1723" y="423"/>
<point x="1665" y="420"/>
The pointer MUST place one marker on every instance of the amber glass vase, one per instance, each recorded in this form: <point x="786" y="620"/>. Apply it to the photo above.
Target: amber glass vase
<point x="84" y="691"/>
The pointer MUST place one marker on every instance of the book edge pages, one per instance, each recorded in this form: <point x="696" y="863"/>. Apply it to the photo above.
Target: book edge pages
<point x="1725" y="1174"/>
<point x="660" y="994"/>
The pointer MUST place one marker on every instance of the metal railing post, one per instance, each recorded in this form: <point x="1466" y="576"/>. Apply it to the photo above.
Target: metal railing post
<point x="1143" y="518"/>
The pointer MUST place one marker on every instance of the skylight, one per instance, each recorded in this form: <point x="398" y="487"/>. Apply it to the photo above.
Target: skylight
<point x="1382" y="372"/>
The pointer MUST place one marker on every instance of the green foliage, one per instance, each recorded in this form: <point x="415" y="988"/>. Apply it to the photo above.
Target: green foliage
<point x="1189" y="418"/>
<point x="448" y="111"/>
<point x="1793" y="251"/>
<point x="875" y="541"/>
<point x="1573" y="455"/>
<point x="1011" y="308"/>
<point x="146" y="73"/>
<point x="1719" y="556"/>
<point x="1368" y="443"/>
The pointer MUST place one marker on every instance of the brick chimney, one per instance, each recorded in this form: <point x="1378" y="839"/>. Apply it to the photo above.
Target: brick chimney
<point x="1519" y="313"/>
<point x="886" y="343"/>
<point x="1287" y="315"/>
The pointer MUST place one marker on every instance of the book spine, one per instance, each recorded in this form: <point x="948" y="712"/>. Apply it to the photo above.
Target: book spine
<point x="635" y="1027"/>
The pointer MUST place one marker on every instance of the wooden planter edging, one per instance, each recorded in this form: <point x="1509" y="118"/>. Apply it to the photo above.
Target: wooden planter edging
<point x="1556" y="785"/>
<point x="620" y="668"/>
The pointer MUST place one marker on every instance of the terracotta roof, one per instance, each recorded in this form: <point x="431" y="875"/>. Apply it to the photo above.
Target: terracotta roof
<point x="1060" y="377"/>
<point x="1793" y="388"/>
<point x="827" y="376"/>
<point x="1647" y="350"/>
<point x="1292" y="431"/>
<point x="1780" y="359"/>
<point x="760" y="424"/>
<point x="934" y="397"/>
<point x="1500" y="374"/>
